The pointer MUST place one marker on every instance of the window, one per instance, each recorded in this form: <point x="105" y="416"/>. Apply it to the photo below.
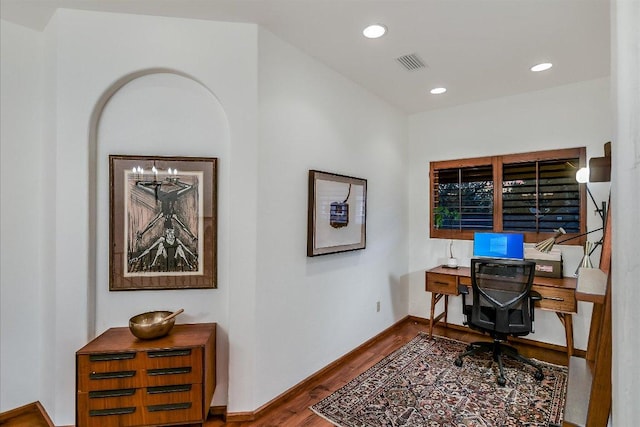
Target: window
<point x="464" y="198"/>
<point x="532" y="193"/>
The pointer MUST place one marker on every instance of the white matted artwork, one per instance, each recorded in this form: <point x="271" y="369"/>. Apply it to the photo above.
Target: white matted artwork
<point x="337" y="213"/>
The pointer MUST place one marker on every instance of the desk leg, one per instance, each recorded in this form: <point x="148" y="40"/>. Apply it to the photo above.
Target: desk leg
<point x="433" y="319"/>
<point x="567" y="321"/>
<point x="433" y="313"/>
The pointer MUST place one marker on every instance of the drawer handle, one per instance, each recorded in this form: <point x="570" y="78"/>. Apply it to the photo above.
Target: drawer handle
<point x="111" y="356"/>
<point x="169" y="353"/>
<point x="169" y="371"/>
<point x="440" y="283"/>
<point x="113" y="411"/>
<point x="554" y="298"/>
<point x="112" y="393"/>
<point x="109" y="375"/>
<point x="169" y="389"/>
<point x="169" y="407"/>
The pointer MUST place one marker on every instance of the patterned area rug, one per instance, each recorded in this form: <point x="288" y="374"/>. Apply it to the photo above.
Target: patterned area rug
<point x="418" y="385"/>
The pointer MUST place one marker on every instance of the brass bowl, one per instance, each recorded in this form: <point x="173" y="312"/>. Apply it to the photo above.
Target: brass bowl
<point x="148" y="326"/>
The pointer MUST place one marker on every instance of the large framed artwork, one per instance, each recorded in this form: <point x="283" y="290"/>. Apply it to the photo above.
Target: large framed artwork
<point x="337" y="213"/>
<point x="162" y="222"/>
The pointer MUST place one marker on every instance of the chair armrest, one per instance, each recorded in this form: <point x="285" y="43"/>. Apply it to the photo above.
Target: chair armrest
<point x="535" y="296"/>
<point x="463" y="290"/>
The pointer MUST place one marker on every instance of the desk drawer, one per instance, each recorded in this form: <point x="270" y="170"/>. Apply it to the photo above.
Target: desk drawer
<point x="556" y="299"/>
<point x="442" y="283"/>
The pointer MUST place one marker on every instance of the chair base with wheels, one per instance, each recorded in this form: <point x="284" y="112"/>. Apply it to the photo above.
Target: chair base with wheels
<point x="498" y="349"/>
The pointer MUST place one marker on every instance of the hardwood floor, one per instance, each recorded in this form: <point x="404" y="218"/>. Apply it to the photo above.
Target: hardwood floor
<point x="295" y="410"/>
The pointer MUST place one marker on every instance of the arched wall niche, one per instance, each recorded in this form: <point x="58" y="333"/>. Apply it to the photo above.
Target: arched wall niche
<point x="161" y="112"/>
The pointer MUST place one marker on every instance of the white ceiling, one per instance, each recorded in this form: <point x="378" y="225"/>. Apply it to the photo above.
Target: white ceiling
<point x="478" y="49"/>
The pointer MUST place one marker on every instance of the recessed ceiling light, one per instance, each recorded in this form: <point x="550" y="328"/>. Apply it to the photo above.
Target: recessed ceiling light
<point x="542" y="67"/>
<point x="438" y="90"/>
<point x="374" y="31"/>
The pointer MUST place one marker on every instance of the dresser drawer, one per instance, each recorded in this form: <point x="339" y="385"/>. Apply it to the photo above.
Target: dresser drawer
<point x="556" y="299"/>
<point x="112" y="411"/>
<point x="173" y="409"/>
<point x="171" y="375"/>
<point x="172" y="366"/>
<point x="442" y="283"/>
<point x="174" y="398"/>
<point x="108" y="371"/>
<point x="107" y="362"/>
<point x="165" y="358"/>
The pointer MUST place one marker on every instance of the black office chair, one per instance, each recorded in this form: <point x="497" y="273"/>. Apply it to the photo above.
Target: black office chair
<point x="503" y="305"/>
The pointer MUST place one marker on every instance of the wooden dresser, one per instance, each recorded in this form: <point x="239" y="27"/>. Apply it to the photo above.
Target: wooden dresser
<point x="123" y="381"/>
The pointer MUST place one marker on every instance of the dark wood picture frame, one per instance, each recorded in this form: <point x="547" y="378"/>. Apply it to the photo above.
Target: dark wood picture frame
<point x="337" y="213"/>
<point x="162" y="222"/>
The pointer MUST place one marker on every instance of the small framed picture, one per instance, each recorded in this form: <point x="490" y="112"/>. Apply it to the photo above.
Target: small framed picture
<point x="162" y="222"/>
<point x="337" y="213"/>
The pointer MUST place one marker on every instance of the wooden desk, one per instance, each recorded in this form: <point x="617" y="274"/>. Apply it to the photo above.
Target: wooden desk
<point x="558" y="295"/>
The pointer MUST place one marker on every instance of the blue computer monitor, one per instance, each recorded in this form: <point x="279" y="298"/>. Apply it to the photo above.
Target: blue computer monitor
<point x="498" y="245"/>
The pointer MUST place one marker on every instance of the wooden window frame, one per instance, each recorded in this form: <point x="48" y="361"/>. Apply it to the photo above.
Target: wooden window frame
<point x="497" y="163"/>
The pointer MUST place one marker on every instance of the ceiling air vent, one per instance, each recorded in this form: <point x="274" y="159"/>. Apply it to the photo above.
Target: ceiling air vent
<point x="411" y="62"/>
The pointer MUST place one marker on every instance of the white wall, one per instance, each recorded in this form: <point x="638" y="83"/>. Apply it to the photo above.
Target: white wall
<point x="311" y="311"/>
<point x="626" y="206"/>
<point x="23" y="214"/>
<point x="569" y="116"/>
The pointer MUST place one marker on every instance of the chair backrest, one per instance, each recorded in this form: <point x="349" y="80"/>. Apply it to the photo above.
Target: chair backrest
<point x="501" y="300"/>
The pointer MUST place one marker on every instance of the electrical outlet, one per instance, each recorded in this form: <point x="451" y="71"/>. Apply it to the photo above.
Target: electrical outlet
<point x="378" y="306"/>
